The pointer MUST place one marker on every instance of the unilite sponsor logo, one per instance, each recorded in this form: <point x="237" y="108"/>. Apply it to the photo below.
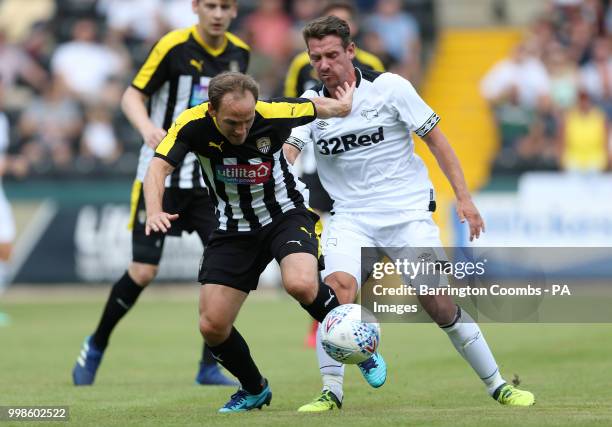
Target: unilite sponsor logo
<point x="244" y="174"/>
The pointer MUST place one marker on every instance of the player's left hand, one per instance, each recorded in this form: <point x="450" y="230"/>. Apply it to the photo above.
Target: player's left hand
<point x="466" y="210"/>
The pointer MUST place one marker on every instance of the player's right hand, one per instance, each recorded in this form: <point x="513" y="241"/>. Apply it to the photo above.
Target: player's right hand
<point x="153" y="136"/>
<point x="159" y="222"/>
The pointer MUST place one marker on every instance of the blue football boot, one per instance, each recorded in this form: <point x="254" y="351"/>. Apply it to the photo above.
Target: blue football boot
<point x="242" y="400"/>
<point x="210" y="374"/>
<point x="87" y="364"/>
<point x="374" y="370"/>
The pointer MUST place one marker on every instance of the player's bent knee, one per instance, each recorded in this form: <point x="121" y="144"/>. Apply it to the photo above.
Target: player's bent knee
<point x="302" y="287"/>
<point x="214" y="331"/>
<point x="344" y="285"/>
<point x="142" y="274"/>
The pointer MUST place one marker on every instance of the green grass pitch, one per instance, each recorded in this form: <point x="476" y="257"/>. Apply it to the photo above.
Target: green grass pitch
<point x="147" y="377"/>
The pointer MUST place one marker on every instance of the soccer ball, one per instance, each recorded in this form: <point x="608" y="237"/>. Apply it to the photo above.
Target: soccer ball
<point x="348" y="339"/>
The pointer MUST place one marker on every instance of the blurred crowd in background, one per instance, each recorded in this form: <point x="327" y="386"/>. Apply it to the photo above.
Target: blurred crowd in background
<point x="65" y="63"/>
<point x="552" y="98"/>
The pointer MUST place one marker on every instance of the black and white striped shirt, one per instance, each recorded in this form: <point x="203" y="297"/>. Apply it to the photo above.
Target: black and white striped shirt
<point x="175" y="77"/>
<point x="252" y="184"/>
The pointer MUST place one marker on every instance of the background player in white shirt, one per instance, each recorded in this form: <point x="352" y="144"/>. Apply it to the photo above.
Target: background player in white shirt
<point x="382" y="194"/>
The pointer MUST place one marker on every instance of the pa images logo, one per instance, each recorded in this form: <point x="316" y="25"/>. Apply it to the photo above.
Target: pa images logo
<point x="264" y="144"/>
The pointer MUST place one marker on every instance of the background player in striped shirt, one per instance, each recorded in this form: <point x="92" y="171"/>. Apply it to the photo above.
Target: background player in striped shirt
<point x="174" y="77"/>
<point x="263" y="213"/>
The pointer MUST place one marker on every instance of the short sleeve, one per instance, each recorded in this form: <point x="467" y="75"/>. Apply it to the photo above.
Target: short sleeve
<point x="287" y="112"/>
<point x="178" y="142"/>
<point x="302" y="135"/>
<point x="156" y="69"/>
<point x="411" y="108"/>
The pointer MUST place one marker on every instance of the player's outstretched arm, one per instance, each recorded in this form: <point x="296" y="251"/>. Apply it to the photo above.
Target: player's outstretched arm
<point x="449" y="163"/>
<point x="134" y="107"/>
<point x="338" y="107"/>
<point x="157" y="219"/>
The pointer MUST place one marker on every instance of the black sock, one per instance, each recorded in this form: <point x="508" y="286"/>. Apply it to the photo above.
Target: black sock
<point x="325" y="301"/>
<point x="235" y="356"/>
<point x="207" y="357"/>
<point x="123" y="295"/>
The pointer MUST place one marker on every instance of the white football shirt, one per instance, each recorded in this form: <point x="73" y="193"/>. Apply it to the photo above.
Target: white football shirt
<point x="366" y="161"/>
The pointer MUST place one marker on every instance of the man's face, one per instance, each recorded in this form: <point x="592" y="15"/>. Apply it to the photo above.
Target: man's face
<point x="235" y="116"/>
<point x="215" y="16"/>
<point x="332" y="62"/>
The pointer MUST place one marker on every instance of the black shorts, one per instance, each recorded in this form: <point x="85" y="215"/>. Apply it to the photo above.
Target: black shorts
<point x="237" y="259"/>
<point x="196" y="213"/>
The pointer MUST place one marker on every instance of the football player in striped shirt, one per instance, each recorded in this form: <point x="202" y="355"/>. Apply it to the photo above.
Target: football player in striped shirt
<point x="263" y="214"/>
<point x="174" y="77"/>
<point x="383" y="196"/>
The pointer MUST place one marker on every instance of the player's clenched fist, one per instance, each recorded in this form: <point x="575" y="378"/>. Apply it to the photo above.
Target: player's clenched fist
<point x="159" y="222"/>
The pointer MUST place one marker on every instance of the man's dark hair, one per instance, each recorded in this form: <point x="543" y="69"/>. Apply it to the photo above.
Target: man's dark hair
<point x="340" y="4"/>
<point x="328" y="26"/>
<point x="230" y="81"/>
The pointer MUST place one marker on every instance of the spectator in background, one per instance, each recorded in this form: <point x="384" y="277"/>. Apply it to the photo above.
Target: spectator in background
<point x="84" y="64"/>
<point x="176" y="14"/>
<point x="518" y="90"/>
<point x="268" y="30"/>
<point x="15" y="64"/>
<point x="542" y="31"/>
<point x="399" y="33"/>
<point x="302" y="12"/>
<point x="134" y="21"/>
<point x="585" y="138"/>
<point x="596" y="75"/>
<point x="18" y="16"/>
<point x="39" y="45"/>
<point x="524" y="73"/>
<point x="75" y="9"/>
<point x="581" y="34"/>
<point x="563" y="75"/>
<point x="99" y="143"/>
<point x="49" y="127"/>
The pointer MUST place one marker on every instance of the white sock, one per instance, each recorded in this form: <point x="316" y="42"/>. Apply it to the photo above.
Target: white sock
<point x="332" y="372"/>
<point x="467" y="338"/>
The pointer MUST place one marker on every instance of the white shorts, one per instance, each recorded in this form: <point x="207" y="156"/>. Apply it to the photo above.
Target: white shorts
<point x="7" y="223"/>
<point x="346" y="233"/>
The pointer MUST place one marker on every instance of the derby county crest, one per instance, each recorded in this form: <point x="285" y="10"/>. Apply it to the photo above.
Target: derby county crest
<point x="263" y="144"/>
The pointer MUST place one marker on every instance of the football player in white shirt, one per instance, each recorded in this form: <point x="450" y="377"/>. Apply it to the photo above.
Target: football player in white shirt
<point x="383" y="196"/>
